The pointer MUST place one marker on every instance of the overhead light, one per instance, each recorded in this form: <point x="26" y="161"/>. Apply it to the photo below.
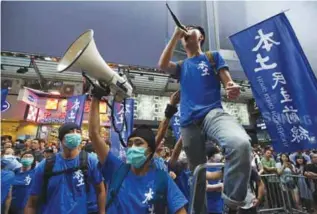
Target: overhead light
<point x="22" y="70"/>
<point x="55" y="92"/>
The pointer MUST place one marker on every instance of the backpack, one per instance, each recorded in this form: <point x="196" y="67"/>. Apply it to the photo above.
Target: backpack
<point x="210" y="59"/>
<point x="48" y="172"/>
<point x="160" y="198"/>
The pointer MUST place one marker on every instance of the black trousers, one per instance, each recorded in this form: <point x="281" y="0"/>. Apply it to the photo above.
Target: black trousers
<point x="248" y="211"/>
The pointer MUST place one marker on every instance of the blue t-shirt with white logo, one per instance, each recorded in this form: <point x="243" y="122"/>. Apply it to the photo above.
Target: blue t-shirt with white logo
<point x="66" y="193"/>
<point x="21" y="190"/>
<point x="136" y="191"/>
<point x="7" y="178"/>
<point x="200" y="87"/>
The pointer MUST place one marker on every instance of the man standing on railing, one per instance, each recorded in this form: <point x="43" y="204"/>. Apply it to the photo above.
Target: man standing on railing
<point x="200" y="76"/>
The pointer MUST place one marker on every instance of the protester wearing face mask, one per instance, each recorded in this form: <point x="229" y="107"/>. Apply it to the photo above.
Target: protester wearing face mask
<point x="138" y="186"/>
<point x="7" y="178"/>
<point x="22" y="184"/>
<point x="71" y="173"/>
<point x="10" y="161"/>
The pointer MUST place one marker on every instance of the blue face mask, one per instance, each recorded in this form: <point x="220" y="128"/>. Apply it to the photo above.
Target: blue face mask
<point x="136" y="156"/>
<point x="72" y="140"/>
<point x="27" y="161"/>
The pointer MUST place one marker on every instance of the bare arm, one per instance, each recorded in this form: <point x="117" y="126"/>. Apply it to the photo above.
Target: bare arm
<point x="162" y="130"/>
<point x="31" y="205"/>
<point x="310" y="175"/>
<point x="177" y="150"/>
<point x="225" y="77"/>
<point x="214" y="187"/>
<point x="8" y="201"/>
<point x="165" y="60"/>
<point x="181" y="211"/>
<point x="261" y="189"/>
<point x="214" y="175"/>
<point x="101" y="148"/>
<point x="101" y="197"/>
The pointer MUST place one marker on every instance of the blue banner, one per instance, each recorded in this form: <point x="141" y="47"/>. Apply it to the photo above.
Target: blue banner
<point x="116" y="147"/>
<point x="75" y="109"/>
<point x="4" y="104"/>
<point x="282" y="82"/>
<point x="175" y="124"/>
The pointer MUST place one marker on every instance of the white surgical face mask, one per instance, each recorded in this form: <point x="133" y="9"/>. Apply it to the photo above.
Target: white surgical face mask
<point x="182" y="157"/>
<point x="217" y="157"/>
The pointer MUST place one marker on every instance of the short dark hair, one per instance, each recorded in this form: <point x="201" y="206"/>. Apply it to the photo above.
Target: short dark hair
<point x="201" y="30"/>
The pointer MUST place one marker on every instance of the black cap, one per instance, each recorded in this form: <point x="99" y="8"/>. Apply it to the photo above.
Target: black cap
<point x="211" y="149"/>
<point x="66" y="128"/>
<point x="201" y="30"/>
<point x="145" y="133"/>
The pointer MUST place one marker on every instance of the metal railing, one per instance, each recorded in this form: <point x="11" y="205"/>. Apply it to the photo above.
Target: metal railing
<point x="195" y="179"/>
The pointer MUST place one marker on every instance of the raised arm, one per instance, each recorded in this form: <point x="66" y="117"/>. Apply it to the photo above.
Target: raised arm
<point x="170" y="110"/>
<point x="101" y="148"/>
<point x="165" y="62"/>
<point x="177" y="150"/>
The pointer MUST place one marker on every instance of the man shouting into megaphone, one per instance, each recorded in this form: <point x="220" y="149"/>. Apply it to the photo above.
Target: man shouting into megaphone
<point x="200" y="76"/>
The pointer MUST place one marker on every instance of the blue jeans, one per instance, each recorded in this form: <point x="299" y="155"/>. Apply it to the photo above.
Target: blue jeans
<point x="225" y="130"/>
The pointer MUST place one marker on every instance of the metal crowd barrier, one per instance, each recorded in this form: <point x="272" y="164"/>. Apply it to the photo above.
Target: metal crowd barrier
<point x="195" y="179"/>
<point x="291" y="194"/>
<point x="300" y="191"/>
<point x="274" y="199"/>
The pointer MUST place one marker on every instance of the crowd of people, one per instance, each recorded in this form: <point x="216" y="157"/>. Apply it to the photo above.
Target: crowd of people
<point x="75" y="176"/>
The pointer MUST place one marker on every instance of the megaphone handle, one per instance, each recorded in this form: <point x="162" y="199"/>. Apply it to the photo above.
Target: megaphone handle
<point x="87" y="78"/>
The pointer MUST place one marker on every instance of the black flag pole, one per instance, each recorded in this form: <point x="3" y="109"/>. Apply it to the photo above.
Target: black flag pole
<point x="177" y="22"/>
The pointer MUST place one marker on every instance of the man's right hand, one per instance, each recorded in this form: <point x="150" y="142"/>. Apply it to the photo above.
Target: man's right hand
<point x="175" y="97"/>
<point x="179" y="33"/>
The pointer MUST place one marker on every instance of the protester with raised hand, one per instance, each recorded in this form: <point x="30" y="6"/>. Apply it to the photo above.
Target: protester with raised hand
<point x="138" y="186"/>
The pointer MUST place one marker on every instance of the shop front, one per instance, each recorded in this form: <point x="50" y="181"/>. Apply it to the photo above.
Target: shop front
<point x="13" y="122"/>
<point x="50" y="114"/>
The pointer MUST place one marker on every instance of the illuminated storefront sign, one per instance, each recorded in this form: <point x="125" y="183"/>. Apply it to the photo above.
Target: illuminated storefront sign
<point x="5" y="106"/>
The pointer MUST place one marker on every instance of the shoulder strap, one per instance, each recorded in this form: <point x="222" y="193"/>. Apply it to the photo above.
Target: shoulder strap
<point x="211" y="61"/>
<point x="116" y="182"/>
<point x="160" y="198"/>
<point x="48" y="173"/>
<point x="83" y="165"/>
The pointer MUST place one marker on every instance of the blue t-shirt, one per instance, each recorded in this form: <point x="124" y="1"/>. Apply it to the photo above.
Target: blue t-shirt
<point x="200" y="87"/>
<point x="182" y="178"/>
<point x="136" y="191"/>
<point x="7" y="178"/>
<point x="160" y="163"/>
<point x="21" y="190"/>
<point x="92" y="200"/>
<point x="66" y="193"/>
<point x="214" y="199"/>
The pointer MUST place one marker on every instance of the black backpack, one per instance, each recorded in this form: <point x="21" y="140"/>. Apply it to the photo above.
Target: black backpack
<point x="48" y="172"/>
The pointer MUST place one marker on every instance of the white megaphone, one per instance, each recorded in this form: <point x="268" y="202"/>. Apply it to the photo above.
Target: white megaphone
<point x="84" y="55"/>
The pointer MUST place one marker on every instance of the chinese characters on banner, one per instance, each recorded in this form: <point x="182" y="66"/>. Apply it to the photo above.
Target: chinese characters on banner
<point x="116" y="147"/>
<point x="75" y="109"/>
<point x="282" y="81"/>
<point x="175" y="124"/>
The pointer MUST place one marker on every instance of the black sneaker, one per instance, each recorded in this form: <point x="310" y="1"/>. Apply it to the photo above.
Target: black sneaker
<point x="228" y="210"/>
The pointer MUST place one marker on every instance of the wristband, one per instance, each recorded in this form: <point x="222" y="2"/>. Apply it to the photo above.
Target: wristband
<point x="170" y="111"/>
